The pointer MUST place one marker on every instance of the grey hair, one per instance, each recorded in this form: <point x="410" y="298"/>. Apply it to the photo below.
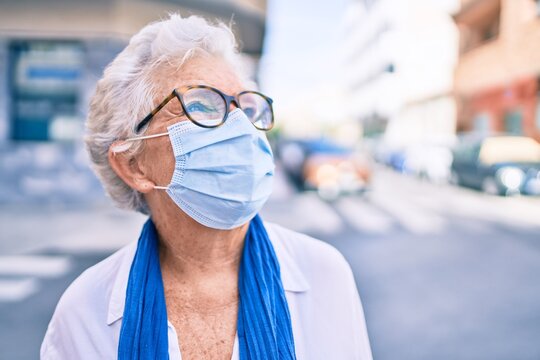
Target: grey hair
<point x="125" y="93"/>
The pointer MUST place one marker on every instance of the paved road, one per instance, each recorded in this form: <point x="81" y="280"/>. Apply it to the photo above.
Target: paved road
<point x="443" y="273"/>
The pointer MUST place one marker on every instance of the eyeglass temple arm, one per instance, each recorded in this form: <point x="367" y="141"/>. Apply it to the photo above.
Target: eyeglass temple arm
<point x="149" y="117"/>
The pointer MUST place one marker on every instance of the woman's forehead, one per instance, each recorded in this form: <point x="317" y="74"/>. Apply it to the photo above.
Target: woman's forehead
<point x="211" y="71"/>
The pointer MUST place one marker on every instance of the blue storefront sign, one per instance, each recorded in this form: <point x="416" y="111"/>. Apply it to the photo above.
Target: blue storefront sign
<point x="44" y="87"/>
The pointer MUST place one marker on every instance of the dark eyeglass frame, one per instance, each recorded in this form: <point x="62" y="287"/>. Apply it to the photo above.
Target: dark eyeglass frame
<point x="228" y="99"/>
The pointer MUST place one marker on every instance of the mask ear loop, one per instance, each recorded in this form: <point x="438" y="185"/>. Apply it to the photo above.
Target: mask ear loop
<point x="146" y="137"/>
<point x="126" y="144"/>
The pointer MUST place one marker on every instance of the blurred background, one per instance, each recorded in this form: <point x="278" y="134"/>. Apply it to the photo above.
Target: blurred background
<point x="407" y="136"/>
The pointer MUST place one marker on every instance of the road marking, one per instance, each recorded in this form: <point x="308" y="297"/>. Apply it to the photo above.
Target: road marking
<point x="412" y="218"/>
<point x="364" y="217"/>
<point x="305" y="212"/>
<point x="17" y="290"/>
<point x="35" y="265"/>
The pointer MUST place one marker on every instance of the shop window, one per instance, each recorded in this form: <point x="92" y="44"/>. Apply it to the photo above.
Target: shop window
<point x="513" y="122"/>
<point x="482" y="124"/>
<point x="44" y="88"/>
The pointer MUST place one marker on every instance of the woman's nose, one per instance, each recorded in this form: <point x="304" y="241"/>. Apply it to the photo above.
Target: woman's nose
<point x="234" y="104"/>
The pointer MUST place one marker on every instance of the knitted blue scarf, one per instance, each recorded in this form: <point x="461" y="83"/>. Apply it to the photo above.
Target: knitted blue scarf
<point x="264" y="323"/>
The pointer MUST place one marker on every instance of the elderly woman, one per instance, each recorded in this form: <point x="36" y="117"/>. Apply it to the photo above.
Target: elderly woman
<point x="176" y="132"/>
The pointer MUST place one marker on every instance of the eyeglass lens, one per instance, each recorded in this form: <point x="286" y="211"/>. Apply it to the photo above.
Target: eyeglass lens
<point x="208" y="107"/>
<point x="257" y="109"/>
<point x="205" y="106"/>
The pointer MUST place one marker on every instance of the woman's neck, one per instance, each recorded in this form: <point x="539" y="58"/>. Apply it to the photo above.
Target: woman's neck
<point x="192" y="251"/>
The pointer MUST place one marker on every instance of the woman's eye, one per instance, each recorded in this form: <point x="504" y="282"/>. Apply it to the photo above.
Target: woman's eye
<point x="198" y="107"/>
<point x="250" y="112"/>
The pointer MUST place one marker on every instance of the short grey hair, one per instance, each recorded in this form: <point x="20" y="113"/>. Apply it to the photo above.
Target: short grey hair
<point x="125" y="93"/>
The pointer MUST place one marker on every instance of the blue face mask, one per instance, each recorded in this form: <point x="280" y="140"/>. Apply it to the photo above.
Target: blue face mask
<point x="223" y="175"/>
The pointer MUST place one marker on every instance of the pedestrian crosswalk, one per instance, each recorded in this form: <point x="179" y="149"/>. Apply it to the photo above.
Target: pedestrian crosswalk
<point x="372" y="214"/>
<point x="413" y="207"/>
<point x="395" y="205"/>
<point x="365" y="217"/>
<point x="411" y="217"/>
<point x="17" y="289"/>
<point x="21" y="275"/>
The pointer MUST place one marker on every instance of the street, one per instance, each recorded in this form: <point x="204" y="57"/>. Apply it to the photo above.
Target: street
<point x="443" y="272"/>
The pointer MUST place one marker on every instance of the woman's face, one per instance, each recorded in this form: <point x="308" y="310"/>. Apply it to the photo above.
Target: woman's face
<point x="157" y="159"/>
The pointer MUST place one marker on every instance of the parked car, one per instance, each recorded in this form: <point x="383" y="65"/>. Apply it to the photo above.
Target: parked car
<point x="322" y="165"/>
<point x="532" y="182"/>
<point x="502" y="165"/>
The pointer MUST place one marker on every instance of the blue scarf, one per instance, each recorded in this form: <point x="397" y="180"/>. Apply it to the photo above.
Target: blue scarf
<point x="264" y="323"/>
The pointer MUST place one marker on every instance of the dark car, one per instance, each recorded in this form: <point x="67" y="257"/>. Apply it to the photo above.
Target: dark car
<point x="498" y="165"/>
<point x="324" y="166"/>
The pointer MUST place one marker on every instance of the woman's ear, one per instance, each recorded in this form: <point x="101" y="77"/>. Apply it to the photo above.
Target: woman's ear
<point x="127" y="167"/>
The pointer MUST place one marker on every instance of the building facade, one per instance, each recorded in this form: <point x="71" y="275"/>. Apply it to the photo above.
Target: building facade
<point x="497" y="77"/>
<point x="51" y="55"/>
<point x="399" y="70"/>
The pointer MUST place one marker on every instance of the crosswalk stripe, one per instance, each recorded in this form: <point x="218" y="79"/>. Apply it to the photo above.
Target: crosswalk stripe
<point x="305" y="212"/>
<point x="411" y="217"/>
<point x="17" y="290"/>
<point x="34" y="265"/>
<point x="364" y="217"/>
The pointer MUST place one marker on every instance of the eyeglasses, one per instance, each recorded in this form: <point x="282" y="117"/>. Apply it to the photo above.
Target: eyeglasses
<point x="208" y="107"/>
